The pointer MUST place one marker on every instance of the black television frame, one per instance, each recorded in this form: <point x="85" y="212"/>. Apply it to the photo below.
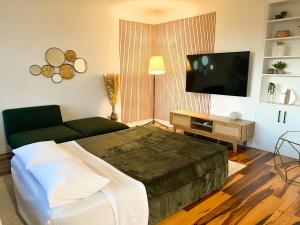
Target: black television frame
<point x="247" y="77"/>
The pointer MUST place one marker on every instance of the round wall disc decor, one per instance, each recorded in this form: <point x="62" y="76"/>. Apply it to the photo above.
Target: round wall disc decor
<point x="80" y="65"/>
<point x="35" y="70"/>
<point x="47" y="71"/>
<point x="70" y="55"/>
<point x="55" y="57"/>
<point x="66" y="71"/>
<point x="56" y="78"/>
<point x="60" y="65"/>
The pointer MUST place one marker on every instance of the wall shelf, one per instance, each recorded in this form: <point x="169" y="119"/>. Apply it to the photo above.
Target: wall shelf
<point x="281" y="75"/>
<point x="284" y="39"/>
<point x="283" y="57"/>
<point x="291" y="56"/>
<point x="289" y="19"/>
<point x="278" y="103"/>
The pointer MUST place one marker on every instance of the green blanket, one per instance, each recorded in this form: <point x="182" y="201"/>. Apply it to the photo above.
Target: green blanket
<point x="175" y="169"/>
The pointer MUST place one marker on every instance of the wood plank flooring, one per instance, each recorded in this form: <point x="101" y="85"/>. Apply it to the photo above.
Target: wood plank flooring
<point x="5" y="164"/>
<point x="254" y="195"/>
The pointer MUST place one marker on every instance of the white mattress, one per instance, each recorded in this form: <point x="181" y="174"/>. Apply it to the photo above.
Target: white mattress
<point x="33" y="204"/>
<point x="122" y="202"/>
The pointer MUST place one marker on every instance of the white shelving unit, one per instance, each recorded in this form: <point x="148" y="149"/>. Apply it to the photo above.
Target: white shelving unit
<point x="288" y="19"/>
<point x="273" y="117"/>
<point x="283" y="57"/>
<point x="284" y="39"/>
<point x="291" y="79"/>
<point x="282" y="75"/>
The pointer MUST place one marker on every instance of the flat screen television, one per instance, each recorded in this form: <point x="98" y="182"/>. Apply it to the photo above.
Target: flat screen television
<point x="218" y="73"/>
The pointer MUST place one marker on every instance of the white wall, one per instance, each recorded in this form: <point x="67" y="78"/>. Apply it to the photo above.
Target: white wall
<point x="90" y="27"/>
<point x="240" y="26"/>
<point x="29" y="28"/>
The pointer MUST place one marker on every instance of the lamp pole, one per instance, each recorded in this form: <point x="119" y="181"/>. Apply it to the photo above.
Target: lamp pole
<point x="153" y="109"/>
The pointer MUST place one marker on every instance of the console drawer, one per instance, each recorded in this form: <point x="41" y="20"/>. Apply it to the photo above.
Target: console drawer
<point x="227" y="129"/>
<point x="181" y="120"/>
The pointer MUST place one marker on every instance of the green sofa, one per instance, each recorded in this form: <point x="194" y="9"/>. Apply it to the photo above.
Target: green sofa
<point x="94" y="126"/>
<point x="43" y="123"/>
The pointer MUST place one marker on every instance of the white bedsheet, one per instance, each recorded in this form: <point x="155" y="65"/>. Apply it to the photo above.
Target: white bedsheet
<point x="122" y="202"/>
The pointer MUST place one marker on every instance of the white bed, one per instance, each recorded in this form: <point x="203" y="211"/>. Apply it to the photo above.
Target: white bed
<point x="122" y="202"/>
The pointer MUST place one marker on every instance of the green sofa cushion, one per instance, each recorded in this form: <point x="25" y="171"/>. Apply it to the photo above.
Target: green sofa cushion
<point x="57" y="133"/>
<point x="30" y="118"/>
<point x="95" y="126"/>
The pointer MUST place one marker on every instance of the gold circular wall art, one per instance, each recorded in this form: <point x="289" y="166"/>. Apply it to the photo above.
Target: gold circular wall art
<point x="70" y="55"/>
<point x="35" y="70"/>
<point x="60" y="65"/>
<point x="80" y="65"/>
<point x="66" y="71"/>
<point x="56" y="78"/>
<point x="55" y="57"/>
<point x="47" y="71"/>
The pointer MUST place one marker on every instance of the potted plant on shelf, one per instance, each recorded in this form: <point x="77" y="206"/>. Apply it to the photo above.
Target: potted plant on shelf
<point x="280" y="66"/>
<point x="112" y="85"/>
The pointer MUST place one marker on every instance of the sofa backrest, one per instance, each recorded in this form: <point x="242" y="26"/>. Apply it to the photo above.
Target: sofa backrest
<point x="30" y="118"/>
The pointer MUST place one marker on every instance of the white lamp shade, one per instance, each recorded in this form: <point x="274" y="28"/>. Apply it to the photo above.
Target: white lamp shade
<point x="156" y="65"/>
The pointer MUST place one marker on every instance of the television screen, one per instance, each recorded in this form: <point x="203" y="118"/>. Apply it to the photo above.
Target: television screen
<point x="218" y="73"/>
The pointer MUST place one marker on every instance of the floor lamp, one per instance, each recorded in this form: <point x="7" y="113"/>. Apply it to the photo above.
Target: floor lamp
<point x="156" y="67"/>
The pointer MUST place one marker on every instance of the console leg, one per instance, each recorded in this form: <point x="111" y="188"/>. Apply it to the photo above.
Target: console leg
<point x="234" y="146"/>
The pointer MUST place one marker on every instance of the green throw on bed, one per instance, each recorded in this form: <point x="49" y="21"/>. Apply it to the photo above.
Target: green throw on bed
<point x="175" y="169"/>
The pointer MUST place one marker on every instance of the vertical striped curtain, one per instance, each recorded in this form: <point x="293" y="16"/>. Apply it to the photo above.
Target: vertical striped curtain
<point x="136" y="47"/>
<point x="172" y="40"/>
<point x="175" y="40"/>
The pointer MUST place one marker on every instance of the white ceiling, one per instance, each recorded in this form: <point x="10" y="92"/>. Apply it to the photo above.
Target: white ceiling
<point x="157" y="11"/>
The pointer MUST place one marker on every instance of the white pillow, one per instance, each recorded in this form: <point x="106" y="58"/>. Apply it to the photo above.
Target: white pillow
<point x="67" y="180"/>
<point x="40" y="152"/>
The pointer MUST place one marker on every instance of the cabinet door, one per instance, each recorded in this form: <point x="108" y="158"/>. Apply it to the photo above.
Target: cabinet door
<point x="292" y="118"/>
<point x="268" y="126"/>
<point x="292" y="123"/>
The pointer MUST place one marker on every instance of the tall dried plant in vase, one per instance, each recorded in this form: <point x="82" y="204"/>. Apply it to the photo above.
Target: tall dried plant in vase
<point x="112" y="85"/>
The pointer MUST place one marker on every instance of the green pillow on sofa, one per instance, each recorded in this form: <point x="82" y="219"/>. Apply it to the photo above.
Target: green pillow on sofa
<point x="95" y="126"/>
<point x="57" y="133"/>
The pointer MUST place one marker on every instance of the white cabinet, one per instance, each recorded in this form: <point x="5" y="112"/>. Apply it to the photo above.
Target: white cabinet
<point x="272" y="121"/>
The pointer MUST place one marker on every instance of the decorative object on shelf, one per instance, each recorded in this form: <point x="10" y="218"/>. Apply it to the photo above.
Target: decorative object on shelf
<point x="278" y="49"/>
<point x="35" y="70"/>
<point x="280" y="66"/>
<point x="271" y="70"/>
<point x="234" y="115"/>
<point x="66" y="63"/>
<point x="112" y="86"/>
<point x="282" y="15"/>
<point x="282" y="33"/>
<point x="287" y="96"/>
<point x="271" y="91"/>
<point x="289" y="141"/>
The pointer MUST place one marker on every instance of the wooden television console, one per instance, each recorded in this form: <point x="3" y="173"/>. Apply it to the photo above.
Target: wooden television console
<point x="216" y="127"/>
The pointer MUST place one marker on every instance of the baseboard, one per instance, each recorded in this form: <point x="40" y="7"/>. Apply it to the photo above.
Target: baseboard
<point x="3" y="149"/>
<point x="143" y="122"/>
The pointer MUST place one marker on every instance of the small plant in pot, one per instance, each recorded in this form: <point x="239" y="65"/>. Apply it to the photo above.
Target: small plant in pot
<point x="280" y="66"/>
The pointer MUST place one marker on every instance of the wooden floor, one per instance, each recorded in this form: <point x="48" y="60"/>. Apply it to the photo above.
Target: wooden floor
<point x="5" y="164"/>
<point x="255" y="195"/>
